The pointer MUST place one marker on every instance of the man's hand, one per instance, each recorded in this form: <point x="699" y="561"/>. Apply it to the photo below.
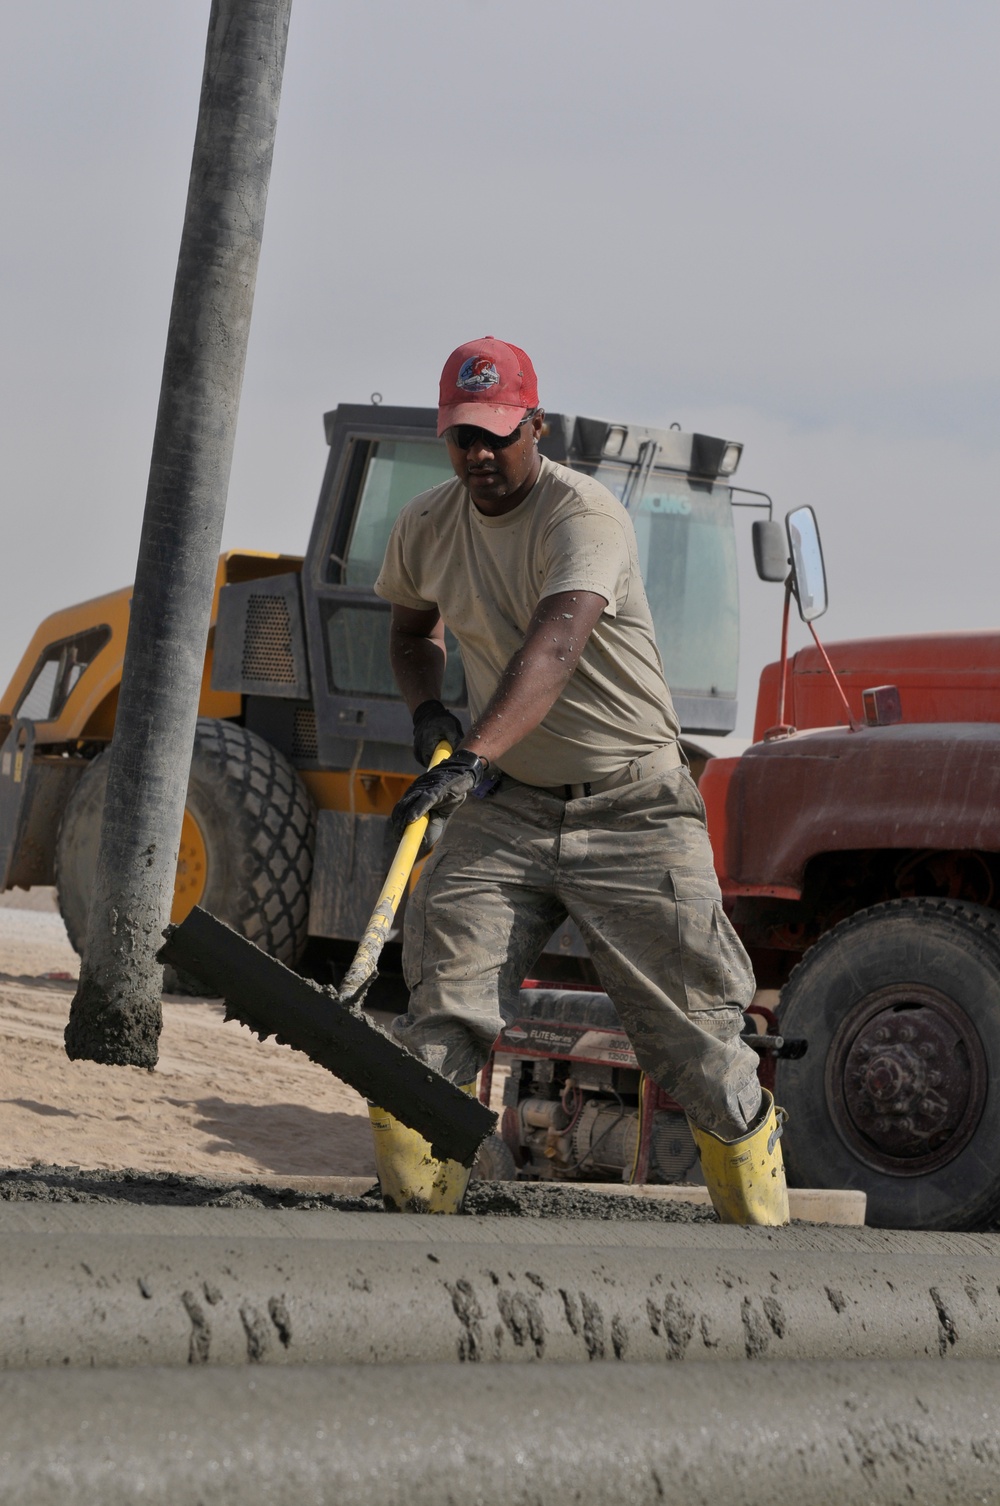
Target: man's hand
<point x="433" y="724"/>
<point x="438" y="793"/>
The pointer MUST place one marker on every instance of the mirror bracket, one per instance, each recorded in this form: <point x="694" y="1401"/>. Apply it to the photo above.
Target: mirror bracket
<point x="782" y="728"/>
<point x="806" y="555"/>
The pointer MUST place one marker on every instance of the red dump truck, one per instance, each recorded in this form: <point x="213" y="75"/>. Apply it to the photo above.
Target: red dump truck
<point x="861" y="865"/>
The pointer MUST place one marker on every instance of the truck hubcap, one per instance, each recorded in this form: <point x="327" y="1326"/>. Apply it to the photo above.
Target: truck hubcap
<point x="906" y="1079"/>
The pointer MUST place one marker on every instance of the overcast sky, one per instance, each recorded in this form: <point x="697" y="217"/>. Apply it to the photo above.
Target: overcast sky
<point x="776" y="222"/>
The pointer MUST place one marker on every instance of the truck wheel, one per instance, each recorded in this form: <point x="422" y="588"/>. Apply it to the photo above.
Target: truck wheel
<point x="246" y="844"/>
<point x="898" y="1093"/>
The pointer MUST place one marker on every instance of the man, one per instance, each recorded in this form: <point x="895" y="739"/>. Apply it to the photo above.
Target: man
<point x="581" y="800"/>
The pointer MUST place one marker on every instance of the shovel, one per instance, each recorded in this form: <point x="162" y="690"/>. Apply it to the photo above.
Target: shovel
<point x="330" y="1029"/>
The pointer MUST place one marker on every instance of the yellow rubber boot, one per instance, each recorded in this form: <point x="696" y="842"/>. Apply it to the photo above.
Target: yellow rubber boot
<point x="411" y="1179"/>
<point x="746" y="1177"/>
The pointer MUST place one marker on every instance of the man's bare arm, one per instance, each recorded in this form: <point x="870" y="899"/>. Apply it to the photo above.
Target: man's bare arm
<point x="417" y="654"/>
<point x="538" y="673"/>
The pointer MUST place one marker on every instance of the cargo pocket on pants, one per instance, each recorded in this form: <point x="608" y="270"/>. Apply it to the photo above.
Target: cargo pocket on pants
<point x="715" y="969"/>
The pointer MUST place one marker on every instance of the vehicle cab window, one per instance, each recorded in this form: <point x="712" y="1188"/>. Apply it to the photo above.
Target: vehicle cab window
<point x="391" y="473"/>
<point x="384" y="474"/>
<point x="687" y="553"/>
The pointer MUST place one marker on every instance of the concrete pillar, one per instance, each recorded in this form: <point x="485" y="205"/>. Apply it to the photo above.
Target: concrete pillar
<point x="115" y="1016"/>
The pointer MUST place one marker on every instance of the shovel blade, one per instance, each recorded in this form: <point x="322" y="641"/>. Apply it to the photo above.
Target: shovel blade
<point x="270" y="999"/>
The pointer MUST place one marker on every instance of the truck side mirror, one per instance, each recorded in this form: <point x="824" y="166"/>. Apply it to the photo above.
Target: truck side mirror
<point x="808" y="570"/>
<point x="770" y="549"/>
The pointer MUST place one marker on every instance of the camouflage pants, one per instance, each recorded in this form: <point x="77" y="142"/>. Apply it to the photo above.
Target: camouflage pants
<point x="633" y="868"/>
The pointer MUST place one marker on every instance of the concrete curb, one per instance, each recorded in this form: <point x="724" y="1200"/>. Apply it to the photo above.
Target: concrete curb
<point x="80" y="1299"/>
<point x="877" y="1434"/>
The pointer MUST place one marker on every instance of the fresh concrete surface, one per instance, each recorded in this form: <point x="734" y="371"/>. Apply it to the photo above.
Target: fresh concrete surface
<point x="120" y="1286"/>
<point x="858" y="1434"/>
<point x="814" y="1205"/>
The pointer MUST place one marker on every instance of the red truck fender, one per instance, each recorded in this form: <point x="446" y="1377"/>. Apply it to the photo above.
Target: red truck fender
<point x="903" y="787"/>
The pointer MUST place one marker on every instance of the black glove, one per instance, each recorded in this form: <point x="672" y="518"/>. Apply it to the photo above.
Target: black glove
<point x="441" y="791"/>
<point x="433" y="724"/>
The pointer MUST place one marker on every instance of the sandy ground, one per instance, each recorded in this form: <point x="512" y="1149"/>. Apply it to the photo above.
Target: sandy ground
<point x="220" y="1103"/>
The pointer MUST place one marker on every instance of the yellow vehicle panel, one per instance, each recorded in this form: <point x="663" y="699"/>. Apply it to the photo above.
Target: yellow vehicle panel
<point x="89" y="711"/>
<point x="368" y="792"/>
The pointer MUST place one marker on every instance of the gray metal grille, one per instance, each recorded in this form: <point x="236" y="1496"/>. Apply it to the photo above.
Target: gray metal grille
<point x="267" y="644"/>
<point x="305" y="742"/>
<point x="674" y="1150"/>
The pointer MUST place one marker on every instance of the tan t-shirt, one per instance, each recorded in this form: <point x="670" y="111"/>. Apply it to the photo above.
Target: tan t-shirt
<point x="487" y="575"/>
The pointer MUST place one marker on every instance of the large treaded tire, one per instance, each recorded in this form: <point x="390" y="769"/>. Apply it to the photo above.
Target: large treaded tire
<point x="258" y="825"/>
<point x="900" y="1005"/>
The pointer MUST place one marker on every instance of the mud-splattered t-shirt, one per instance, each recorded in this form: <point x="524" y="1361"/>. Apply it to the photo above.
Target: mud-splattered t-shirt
<point x="487" y="575"/>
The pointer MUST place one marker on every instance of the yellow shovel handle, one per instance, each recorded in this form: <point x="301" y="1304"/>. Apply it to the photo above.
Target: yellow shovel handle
<point x="371" y="944"/>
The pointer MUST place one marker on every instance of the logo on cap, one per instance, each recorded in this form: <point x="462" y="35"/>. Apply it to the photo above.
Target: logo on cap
<point x="476" y="374"/>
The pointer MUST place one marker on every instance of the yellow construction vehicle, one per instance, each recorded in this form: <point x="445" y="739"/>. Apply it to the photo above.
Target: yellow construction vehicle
<point x="303" y="745"/>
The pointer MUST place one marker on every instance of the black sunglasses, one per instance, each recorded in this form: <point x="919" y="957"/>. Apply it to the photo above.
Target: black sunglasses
<point x="466" y="435"/>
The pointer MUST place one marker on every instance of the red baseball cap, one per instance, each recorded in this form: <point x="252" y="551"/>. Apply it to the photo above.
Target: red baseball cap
<point x="488" y="383"/>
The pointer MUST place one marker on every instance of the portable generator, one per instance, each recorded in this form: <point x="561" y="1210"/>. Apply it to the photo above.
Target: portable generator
<point x="577" y="1107"/>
